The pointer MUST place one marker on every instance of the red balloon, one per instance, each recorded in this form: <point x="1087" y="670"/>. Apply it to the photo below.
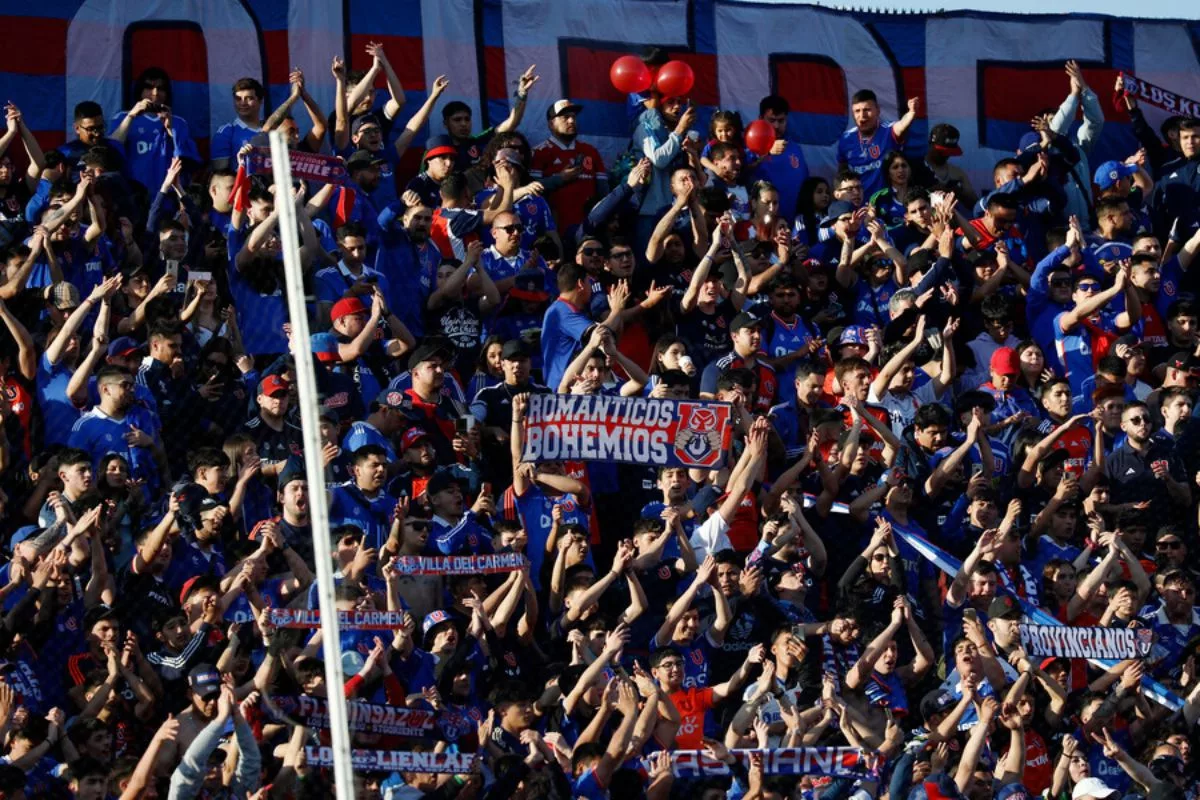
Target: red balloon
<point x="629" y="74"/>
<point x="760" y="137"/>
<point x="675" y="79"/>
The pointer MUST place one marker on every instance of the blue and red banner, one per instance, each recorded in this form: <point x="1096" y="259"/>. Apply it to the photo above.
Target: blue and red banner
<point x="628" y="430"/>
<point x="987" y="74"/>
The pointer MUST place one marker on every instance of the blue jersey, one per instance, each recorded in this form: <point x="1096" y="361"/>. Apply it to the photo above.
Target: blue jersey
<point x="467" y="537"/>
<point x="563" y="328"/>
<point x="535" y="509"/>
<point x="533" y="212"/>
<point x="786" y="172"/>
<point x="149" y="149"/>
<point x="1047" y="549"/>
<point x="334" y="282"/>
<point x="784" y="338"/>
<point x="260" y="317"/>
<point x="410" y="269"/>
<point x="59" y="414"/>
<point x="865" y="155"/>
<point x="1076" y="350"/>
<point x="99" y="434"/>
<point x="871" y="303"/>
<point x="229" y="138"/>
<point x="349" y="506"/>
<point x="697" y="657"/>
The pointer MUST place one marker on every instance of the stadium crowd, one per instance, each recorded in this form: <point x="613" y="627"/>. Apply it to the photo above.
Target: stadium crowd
<point x="1005" y="371"/>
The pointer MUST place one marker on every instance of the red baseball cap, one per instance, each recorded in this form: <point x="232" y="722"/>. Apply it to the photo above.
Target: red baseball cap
<point x="347" y="306"/>
<point x="411" y="437"/>
<point x="1005" y="362"/>
<point x="272" y="384"/>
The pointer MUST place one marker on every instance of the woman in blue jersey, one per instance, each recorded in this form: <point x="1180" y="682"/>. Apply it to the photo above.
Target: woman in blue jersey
<point x="891" y="201"/>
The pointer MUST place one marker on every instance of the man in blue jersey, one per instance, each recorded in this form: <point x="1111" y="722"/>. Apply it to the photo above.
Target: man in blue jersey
<point x="248" y="96"/>
<point x="380" y="427"/>
<point x="362" y="501"/>
<point x="120" y="425"/>
<point x="152" y="135"/>
<point x="784" y="166"/>
<point x="567" y="325"/>
<point x="1084" y="333"/>
<point x="863" y="146"/>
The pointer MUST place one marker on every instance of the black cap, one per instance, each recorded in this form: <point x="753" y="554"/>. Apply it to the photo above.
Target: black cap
<point x="945" y="138"/>
<point x="745" y="320"/>
<point x="1182" y="360"/>
<point x="432" y="347"/>
<point x="361" y="159"/>
<point x="1129" y="340"/>
<point x="293" y="470"/>
<point x="514" y="350"/>
<point x="96" y="614"/>
<point x="204" y="680"/>
<point x="1005" y="607"/>
<point x="939" y="701"/>
<point x="441" y="481"/>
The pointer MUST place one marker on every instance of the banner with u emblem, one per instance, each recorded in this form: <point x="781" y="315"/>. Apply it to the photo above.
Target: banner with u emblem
<point x="630" y="430"/>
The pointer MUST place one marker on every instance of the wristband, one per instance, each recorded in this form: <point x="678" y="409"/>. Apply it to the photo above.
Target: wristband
<point x="520" y="98"/>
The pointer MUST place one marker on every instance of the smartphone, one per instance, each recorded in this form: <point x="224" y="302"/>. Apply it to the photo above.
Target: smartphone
<point x="173" y="268"/>
<point x="197" y="277"/>
<point x="969" y="614"/>
<point x="464" y="425"/>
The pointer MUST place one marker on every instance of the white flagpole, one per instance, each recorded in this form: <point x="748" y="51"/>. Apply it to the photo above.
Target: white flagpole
<point x="343" y="771"/>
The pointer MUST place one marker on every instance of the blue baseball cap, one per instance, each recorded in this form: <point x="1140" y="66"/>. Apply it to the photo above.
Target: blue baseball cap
<point x="1108" y="173"/>
<point x="852" y="334"/>
<point x="836" y="209"/>
<point x="434" y="619"/>
<point x="123" y="346"/>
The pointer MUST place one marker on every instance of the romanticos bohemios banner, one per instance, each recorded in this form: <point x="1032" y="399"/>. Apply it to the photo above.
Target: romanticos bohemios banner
<point x="833" y="762"/>
<point x="394" y="760"/>
<point x="1115" y="644"/>
<point x="986" y="74"/>
<point x="631" y="430"/>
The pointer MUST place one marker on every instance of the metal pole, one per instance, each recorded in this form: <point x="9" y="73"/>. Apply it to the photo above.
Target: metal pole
<point x="343" y="772"/>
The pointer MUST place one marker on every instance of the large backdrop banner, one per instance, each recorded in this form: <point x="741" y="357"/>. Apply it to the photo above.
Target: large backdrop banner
<point x="985" y="73"/>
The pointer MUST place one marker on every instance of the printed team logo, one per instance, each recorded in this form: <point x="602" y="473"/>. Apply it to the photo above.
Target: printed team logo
<point x="587" y="162"/>
<point x="474" y="151"/>
<point x="1144" y="641"/>
<point x="697" y="658"/>
<point x="794" y="161"/>
<point x="72" y="624"/>
<point x="567" y="505"/>
<point x="721" y="322"/>
<point x="874" y="151"/>
<point x="698" y="438"/>
<point x="510" y="659"/>
<point x="1169" y="288"/>
<point x="531" y="208"/>
<point x="664" y="571"/>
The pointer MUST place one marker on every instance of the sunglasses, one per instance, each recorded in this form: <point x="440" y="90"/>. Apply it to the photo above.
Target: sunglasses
<point x="593" y="251"/>
<point x="1061" y="283"/>
<point x="1172" y="545"/>
<point x="1088" y="287"/>
<point x="1141" y="419"/>
<point x="419" y="525"/>
<point x="507" y="228"/>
